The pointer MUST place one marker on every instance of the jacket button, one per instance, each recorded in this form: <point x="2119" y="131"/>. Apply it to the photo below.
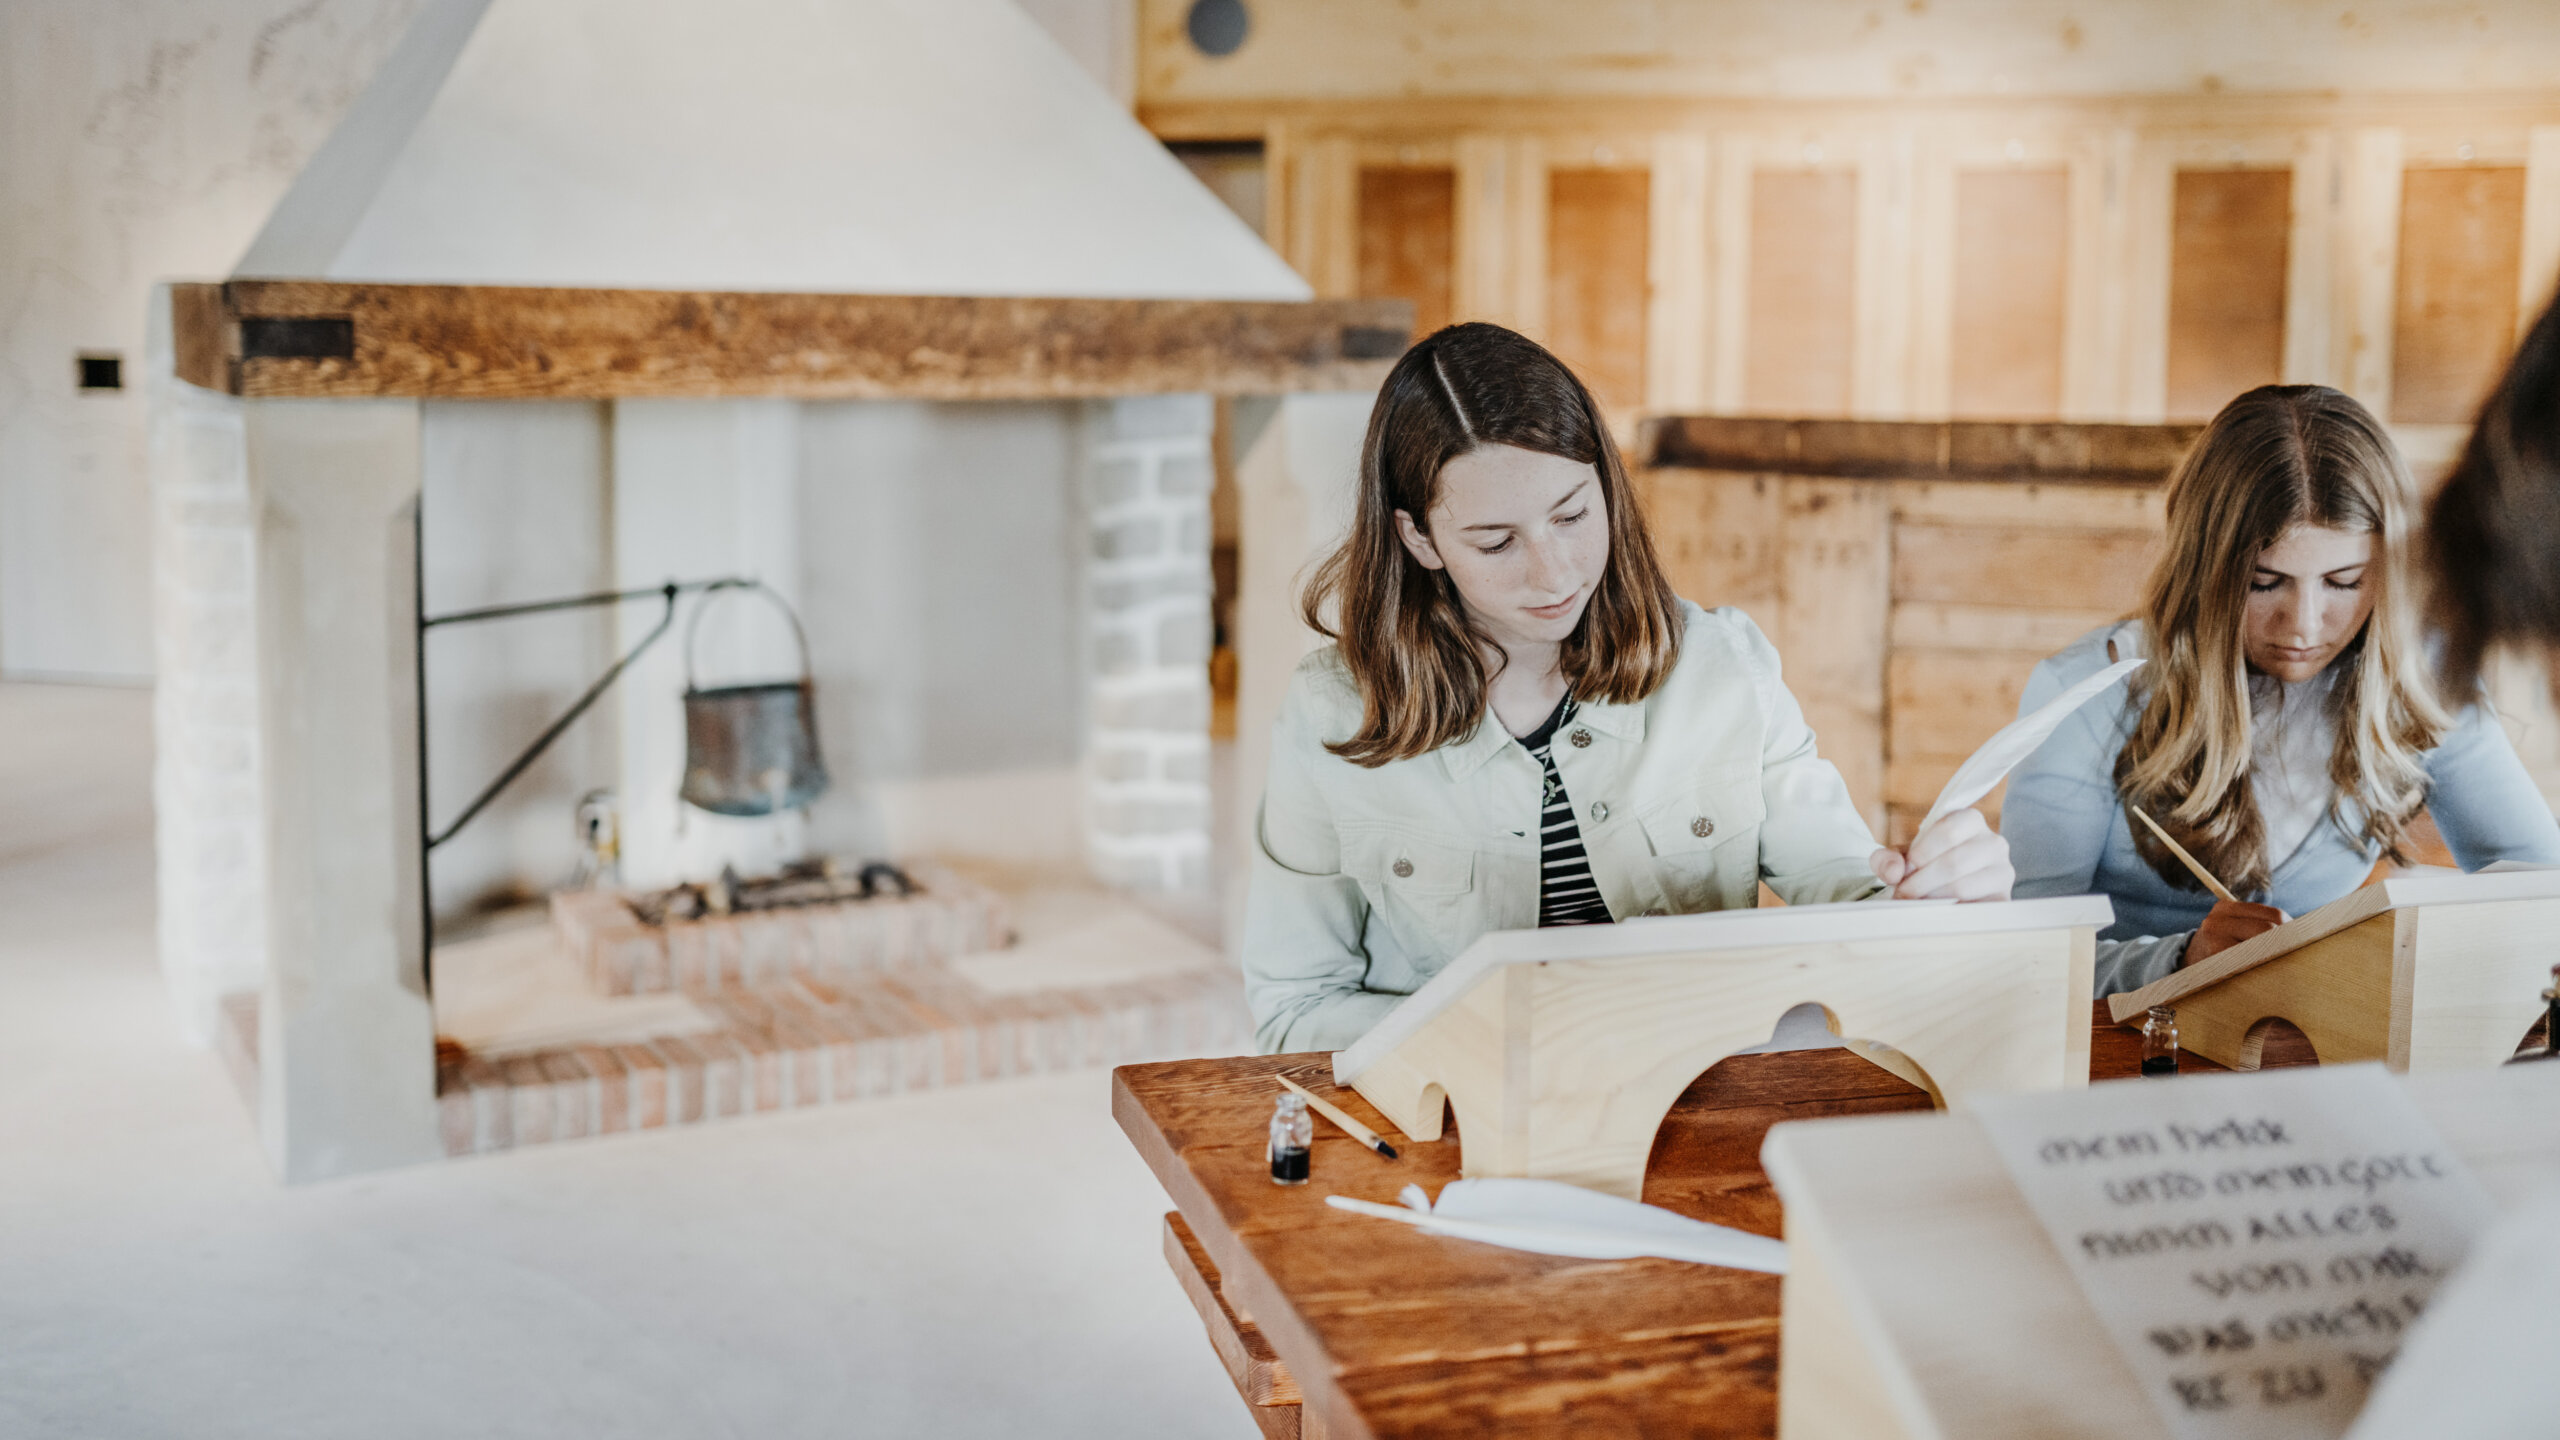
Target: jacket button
<point x="1403" y="869"/>
<point x="1581" y="739"/>
<point x="1702" y="827"/>
<point x="1599" y="809"/>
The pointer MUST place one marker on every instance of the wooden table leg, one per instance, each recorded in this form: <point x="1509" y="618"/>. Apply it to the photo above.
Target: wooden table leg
<point x="1257" y="1372"/>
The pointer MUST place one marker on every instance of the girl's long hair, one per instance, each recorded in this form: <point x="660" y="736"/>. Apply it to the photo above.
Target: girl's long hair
<point x="1403" y="635"/>
<point x="2278" y="456"/>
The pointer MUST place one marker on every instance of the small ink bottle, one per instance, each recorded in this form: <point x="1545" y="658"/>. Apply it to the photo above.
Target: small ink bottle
<point x="2160" y="1042"/>
<point x="1293" y="1130"/>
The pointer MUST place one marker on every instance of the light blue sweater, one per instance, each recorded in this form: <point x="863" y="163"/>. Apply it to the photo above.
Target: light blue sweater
<point x="2068" y="834"/>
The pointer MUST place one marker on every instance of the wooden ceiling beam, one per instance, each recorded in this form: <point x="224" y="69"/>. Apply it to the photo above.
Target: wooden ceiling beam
<point x="275" y="339"/>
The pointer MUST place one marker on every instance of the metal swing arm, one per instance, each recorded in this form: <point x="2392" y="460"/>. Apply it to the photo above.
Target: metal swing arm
<point x="666" y="618"/>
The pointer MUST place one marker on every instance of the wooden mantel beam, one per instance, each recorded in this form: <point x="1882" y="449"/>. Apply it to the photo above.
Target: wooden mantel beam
<point x="273" y="339"/>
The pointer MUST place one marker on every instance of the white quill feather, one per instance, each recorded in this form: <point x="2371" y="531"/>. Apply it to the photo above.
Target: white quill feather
<point x="2017" y="740"/>
<point x="1553" y="1218"/>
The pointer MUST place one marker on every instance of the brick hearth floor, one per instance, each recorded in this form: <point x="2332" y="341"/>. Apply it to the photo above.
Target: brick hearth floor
<point x="807" y="1044"/>
<point x="546" y="1061"/>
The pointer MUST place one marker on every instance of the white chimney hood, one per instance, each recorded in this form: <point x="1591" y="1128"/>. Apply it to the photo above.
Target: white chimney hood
<point x="919" y="147"/>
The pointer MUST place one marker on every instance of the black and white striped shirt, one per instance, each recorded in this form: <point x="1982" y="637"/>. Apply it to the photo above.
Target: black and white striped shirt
<point x="1567" y="893"/>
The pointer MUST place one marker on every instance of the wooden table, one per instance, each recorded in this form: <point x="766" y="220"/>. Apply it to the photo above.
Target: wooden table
<point x="1380" y="1330"/>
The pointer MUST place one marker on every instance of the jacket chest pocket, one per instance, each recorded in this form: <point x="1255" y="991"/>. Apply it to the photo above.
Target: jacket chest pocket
<point x="1424" y="888"/>
<point x="1706" y="846"/>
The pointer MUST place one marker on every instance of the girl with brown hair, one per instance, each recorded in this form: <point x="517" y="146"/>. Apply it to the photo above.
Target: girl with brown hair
<point x="2286" y="731"/>
<point x="1518" y="723"/>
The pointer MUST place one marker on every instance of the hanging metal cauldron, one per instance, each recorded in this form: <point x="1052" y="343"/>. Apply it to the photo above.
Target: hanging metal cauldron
<point x="751" y="749"/>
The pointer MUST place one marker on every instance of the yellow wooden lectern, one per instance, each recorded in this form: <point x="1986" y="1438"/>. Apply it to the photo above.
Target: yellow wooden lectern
<point x="2423" y="972"/>
<point x="1562" y="1049"/>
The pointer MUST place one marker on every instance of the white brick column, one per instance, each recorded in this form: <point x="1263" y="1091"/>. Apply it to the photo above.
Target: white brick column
<point x="1147" y="481"/>
<point x="205" y="694"/>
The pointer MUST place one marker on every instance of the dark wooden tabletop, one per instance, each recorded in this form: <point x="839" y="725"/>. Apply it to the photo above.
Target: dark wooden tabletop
<point x="1392" y="1332"/>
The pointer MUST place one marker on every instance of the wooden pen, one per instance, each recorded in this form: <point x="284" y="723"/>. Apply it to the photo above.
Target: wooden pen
<point x="1339" y="1116"/>
<point x="2192" y="864"/>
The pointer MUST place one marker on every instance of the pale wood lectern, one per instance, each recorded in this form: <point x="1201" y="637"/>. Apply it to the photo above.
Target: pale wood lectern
<point x="2423" y="972"/>
<point x="1923" y="1299"/>
<point x="1562" y="1049"/>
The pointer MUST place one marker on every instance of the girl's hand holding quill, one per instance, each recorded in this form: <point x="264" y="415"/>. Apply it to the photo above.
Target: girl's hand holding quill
<point x="2231" y="920"/>
<point x="1958" y="858"/>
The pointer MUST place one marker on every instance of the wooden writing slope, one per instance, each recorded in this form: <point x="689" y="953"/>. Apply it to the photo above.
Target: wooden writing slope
<point x="2427" y="972"/>
<point x="1922" y="1299"/>
<point x="1561" y="1049"/>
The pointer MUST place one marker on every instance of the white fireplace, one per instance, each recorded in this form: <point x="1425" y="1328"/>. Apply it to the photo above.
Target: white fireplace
<point x="1005" y="580"/>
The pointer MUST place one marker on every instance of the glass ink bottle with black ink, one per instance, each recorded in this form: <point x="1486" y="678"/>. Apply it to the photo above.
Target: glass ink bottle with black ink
<point x="1293" y="1131"/>
<point x="2160" y="1042"/>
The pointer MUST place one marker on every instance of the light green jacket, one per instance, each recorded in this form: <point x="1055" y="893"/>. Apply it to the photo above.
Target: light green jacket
<point x="1366" y="882"/>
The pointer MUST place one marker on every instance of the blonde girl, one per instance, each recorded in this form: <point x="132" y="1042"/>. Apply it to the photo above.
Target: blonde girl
<point x="2286" y="731"/>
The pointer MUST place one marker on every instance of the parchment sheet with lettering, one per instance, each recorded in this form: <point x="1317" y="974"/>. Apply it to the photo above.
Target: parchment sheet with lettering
<point x="2256" y="1245"/>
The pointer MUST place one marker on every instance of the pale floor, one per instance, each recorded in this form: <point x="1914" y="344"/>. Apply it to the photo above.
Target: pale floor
<point x="979" y="1261"/>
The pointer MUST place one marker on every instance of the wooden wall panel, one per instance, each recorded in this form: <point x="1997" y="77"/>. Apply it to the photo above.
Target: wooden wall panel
<point x="1945" y="703"/>
<point x="1801" y="306"/>
<point x="1942" y="703"/>
<point x="1717" y="536"/>
<point x="2454" y="323"/>
<point x="1599" y="233"/>
<point x="1809" y="560"/>
<point x="1911" y="787"/>
<point x="1408" y="240"/>
<point x="1989" y="579"/>
<point x="1312" y="207"/>
<point x="2012" y="253"/>
<point x="1944" y="696"/>
<point x="1935" y="625"/>
<point x="2113" y="506"/>
<point x="2229" y="245"/>
<point x="1834" y="570"/>
<point x="2029" y="569"/>
<point x="1909" y="612"/>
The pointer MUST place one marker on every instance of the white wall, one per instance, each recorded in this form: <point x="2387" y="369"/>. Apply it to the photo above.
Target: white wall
<point x="514" y="508"/>
<point x="941" y="569"/>
<point x="938" y="551"/>
<point x="1102" y="35"/>
<point x="147" y="140"/>
<point x="144" y="139"/>
<point x="702" y="490"/>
